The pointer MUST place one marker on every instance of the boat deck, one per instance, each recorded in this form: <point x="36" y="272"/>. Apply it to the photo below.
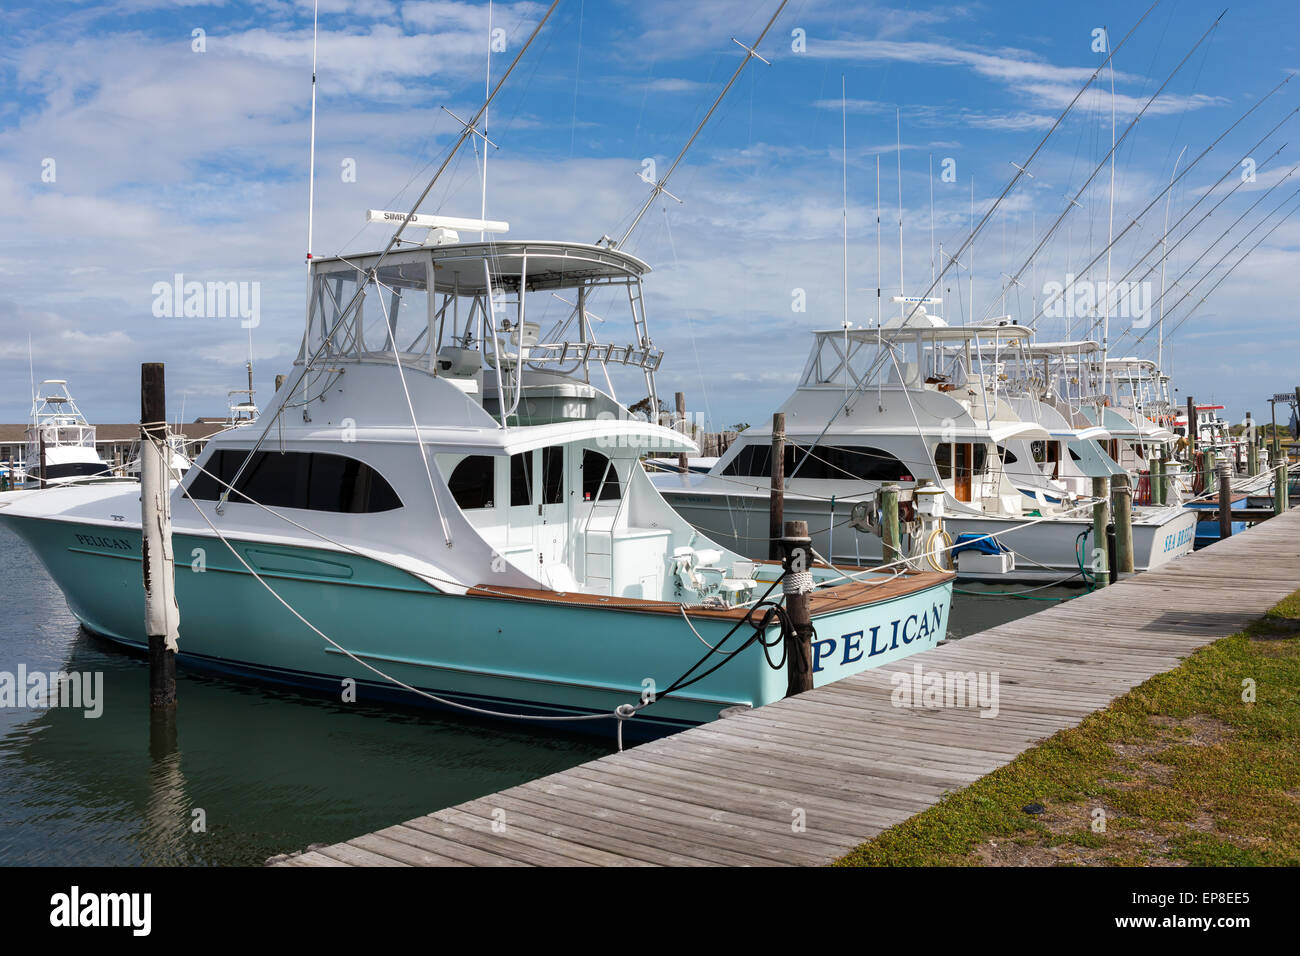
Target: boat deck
<point x="842" y="758"/>
<point x="841" y="597"/>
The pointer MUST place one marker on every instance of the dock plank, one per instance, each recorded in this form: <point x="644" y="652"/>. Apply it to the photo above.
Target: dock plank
<point x="845" y="756"/>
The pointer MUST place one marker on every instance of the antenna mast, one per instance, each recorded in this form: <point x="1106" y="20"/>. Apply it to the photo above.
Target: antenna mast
<point x="898" y="130"/>
<point x="487" y="89"/>
<point x="311" y="150"/>
<point x="844" y="180"/>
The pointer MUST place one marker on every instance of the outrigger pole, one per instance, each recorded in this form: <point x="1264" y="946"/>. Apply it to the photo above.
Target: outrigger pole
<point x="1023" y="167"/>
<point x="658" y="187"/>
<point x="1164" y="192"/>
<point x="1110" y="154"/>
<point x="301" y="372"/>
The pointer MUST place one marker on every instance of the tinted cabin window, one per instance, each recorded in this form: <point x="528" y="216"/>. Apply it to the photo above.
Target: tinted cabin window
<point x="471" y="482"/>
<point x="72" y="469"/>
<point x="552" y="476"/>
<point x="308" y="480"/>
<point x="521" y="479"/>
<point x="1008" y="456"/>
<point x="754" y="460"/>
<point x="824" y="462"/>
<point x="599" y="479"/>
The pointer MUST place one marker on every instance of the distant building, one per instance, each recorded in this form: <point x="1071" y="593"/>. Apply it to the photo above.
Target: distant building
<point x="116" y="444"/>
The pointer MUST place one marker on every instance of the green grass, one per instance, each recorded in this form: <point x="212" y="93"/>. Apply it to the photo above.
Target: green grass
<point x="1184" y="770"/>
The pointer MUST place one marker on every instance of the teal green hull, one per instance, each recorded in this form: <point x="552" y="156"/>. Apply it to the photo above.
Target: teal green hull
<point x="513" y="656"/>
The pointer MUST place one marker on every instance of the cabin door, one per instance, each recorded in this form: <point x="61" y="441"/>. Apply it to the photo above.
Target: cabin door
<point x="965" y="467"/>
<point x="553" y="480"/>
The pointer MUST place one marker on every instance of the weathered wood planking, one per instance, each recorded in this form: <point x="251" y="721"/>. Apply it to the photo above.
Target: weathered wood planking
<point x="842" y="759"/>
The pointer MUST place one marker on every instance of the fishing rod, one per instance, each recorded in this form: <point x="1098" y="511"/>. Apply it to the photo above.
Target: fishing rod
<point x="1014" y="280"/>
<point x="1219" y="239"/>
<point x="659" y="187"/>
<point x="1173" y="182"/>
<point x="1216" y="265"/>
<point x="1169" y="250"/>
<point x="1233" y="267"/>
<point x="1022" y="168"/>
<point x="301" y="371"/>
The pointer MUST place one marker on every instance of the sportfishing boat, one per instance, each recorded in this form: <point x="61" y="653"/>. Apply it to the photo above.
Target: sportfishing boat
<point x="918" y="400"/>
<point x="445" y="504"/>
<point x="60" y="442"/>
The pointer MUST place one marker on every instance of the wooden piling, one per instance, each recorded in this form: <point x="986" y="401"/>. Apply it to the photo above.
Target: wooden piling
<point x="161" y="613"/>
<point x="889" y="534"/>
<point x="776" y="497"/>
<point x="1157" y="480"/>
<point x="1100" y="519"/>
<point x="1225" y="501"/>
<point x="1208" y="474"/>
<point x="798" y="586"/>
<point x="1191" y="432"/>
<point x="1122" y="501"/>
<point x="42" y="461"/>
<point x="683" y="462"/>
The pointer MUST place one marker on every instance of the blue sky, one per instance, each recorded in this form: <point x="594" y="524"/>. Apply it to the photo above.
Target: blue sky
<point x="169" y="160"/>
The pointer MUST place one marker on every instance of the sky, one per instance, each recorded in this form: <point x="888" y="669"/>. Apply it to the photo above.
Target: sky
<point x="143" y="139"/>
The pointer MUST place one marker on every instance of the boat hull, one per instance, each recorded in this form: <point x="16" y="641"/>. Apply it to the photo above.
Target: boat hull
<point x="497" y="653"/>
<point x="1045" y="550"/>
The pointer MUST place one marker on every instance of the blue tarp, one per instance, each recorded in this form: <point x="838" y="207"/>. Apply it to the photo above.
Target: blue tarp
<point x="980" y="543"/>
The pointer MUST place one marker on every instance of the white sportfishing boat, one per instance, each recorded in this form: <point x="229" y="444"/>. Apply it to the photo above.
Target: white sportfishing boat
<point x="442" y="495"/>
<point x="914" y="400"/>
<point x="60" y="442"/>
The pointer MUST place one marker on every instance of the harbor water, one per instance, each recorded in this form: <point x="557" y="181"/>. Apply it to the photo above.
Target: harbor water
<point x="257" y="771"/>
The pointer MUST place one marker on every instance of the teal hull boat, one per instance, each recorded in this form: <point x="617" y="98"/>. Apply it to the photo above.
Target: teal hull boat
<point x="500" y="652"/>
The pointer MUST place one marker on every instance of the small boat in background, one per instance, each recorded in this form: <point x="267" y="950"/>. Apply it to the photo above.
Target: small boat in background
<point x="60" y="442"/>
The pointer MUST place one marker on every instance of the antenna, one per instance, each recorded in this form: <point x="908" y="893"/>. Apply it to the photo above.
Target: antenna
<point x="487" y="89"/>
<point x="879" y="316"/>
<point x="932" y="260"/>
<point x="844" y="163"/>
<point x="898" y="130"/>
<point x="311" y="150"/>
<point x="844" y="168"/>
<point x="971" y="282"/>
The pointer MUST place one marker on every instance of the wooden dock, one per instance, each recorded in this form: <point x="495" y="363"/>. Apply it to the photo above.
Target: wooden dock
<point x="842" y="759"/>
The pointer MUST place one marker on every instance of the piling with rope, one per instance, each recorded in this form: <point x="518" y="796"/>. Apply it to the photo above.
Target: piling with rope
<point x="798" y="587"/>
<point x="1225" y="501"/>
<point x="161" y="613"/>
<point x="889" y="533"/>
<point x="1122" y="502"/>
<point x="776" y="495"/>
<point x="1279" y="487"/>
<point x="1100" y="519"/>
